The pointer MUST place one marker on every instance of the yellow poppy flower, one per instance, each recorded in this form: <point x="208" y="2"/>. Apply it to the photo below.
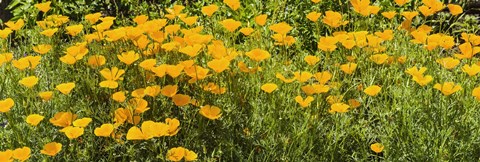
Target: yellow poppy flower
<point x="389" y="14"/>
<point x="209" y="10"/>
<point x="377" y="147"/>
<point x="339" y="107"/>
<point x="22" y="154"/>
<point x="42" y="49"/>
<point x="448" y="62"/>
<point x="269" y="87"/>
<point x="34" y="119"/>
<point x="49" y="32"/>
<point x="128" y="57"/>
<point x="471" y="70"/>
<point x="82" y="123"/>
<point x="304" y="102"/>
<point x="476" y="93"/>
<point x="348" y="68"/>
<point x="447" y="88"/>
<point x="261" y="19"/>
<point x="6" y="105"/>
<point x="104" y="131"/>
<point x="280" y="28"/>
<point x="230" y="24"/>
<point x="46" y="96"/>
<point x="29" y="82"/>
<point x="44" y="7"/>
<point x="15" y="25"/>
<point x="51" y="149"/>
<point x="96" y="60"/>
<point x="233" y="4"/>
<point x="181" y="99"/>
<point x="73" y="30"/>
<point x="210" y="112"/>
<point x="4" y="33"/>
<point x="258" y="54"/>
<point x="302" y="76"/>
<point x="311" y="60"/>
<point x="372" y="90"/>
<point x="65" y="88"/>
<point x="63" y="119"/>
<point x="219" y="65"/>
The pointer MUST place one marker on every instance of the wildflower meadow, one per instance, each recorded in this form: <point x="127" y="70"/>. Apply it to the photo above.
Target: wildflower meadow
<point x="231" y="80"/>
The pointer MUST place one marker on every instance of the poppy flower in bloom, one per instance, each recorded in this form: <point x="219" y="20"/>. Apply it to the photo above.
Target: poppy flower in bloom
<point x="389" y="14"/>
<point x="311" y="60"/>
<point x="472" y="70"/>
<point x="377" y="147"/>
<point x="4" y="33"/>
<point x="178" y="153"/>
<point x="423" y="80"/>
<point x="455" y="9"/>
<point x="233" y="4"/>
<point x="29" y="82"/>
<point x="49" y="32"/>
<point x="152" y="91"/>
<point x="112" y="75"/>
<point x="372" y="90"/>
<point x="6" y="155"/>
<point x="230" y="24"/>
<point x="181" y="99"/>
<point x="379" y="58"/>
<point x="191" y="51"/>
<point x="476" y="93"/>
<point x="302" y="76"/>
<point x="22" y="154"/>
<point x="51" y="149"/>
<point x="104" y="131"/>
<point x="246" y="31"/>
<point x="63" y="119"/>
<point x="174" y="12"/>
<point x="448" y="62"/>
<point x="280" y="28"/>
<point x="467" y="51"/>
<point x="258" y="54"/>
<point x="119" y="96"/>
<point x="327" y="44"/>
<point x="65" y="88"/>
<point x="333" y="19"/>
<point x="169" y="90"/>
<point x="313" y="16"/>
<point x="73" y="30"/>
<point x="209" y="10"/>
<point x="15" y="25"/>
<point x="72" y="132"/>
<point x="82" y="123"/>
<point x="46" y="96"/>
<point x="261" y="19"/>
<point x="447" y="88"/>
<point x="211" y="112"/>
<point x="348" y="68"/>
<point x="44" y="7"/>
<point x="269" y="87"/>
<point x="339" y="107"/>
<point x="323" y="77"/>
<point x="409" y="15"/>
<point x="304" y="102"/>
<point x="42" y="49"/>
<point x="34" y="119"/>
<point x="96" y="60"/>
<point x="6" y="105"/>
<point x="219" y="65"/>
<point x="148" y="64"/>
